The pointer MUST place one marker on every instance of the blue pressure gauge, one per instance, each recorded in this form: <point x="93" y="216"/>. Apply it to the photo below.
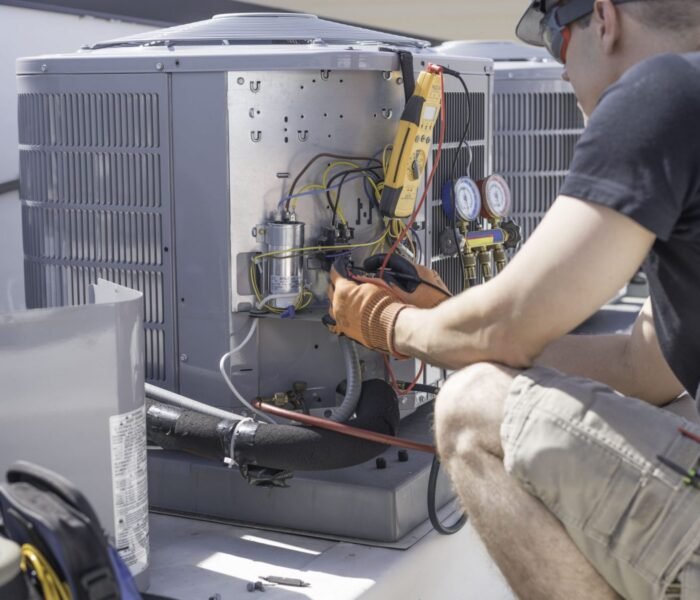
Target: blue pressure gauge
<point x="463" y="198"/>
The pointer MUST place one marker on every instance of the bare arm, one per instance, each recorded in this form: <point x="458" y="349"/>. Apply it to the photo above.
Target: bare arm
<point x="577" y="259"/>
<point x="631" y="364"/>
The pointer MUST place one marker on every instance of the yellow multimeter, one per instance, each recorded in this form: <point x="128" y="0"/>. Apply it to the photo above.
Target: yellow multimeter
<point x="411" y="145"/>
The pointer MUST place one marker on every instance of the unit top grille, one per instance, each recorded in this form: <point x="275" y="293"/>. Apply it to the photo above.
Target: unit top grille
<point x="262" y="28"/>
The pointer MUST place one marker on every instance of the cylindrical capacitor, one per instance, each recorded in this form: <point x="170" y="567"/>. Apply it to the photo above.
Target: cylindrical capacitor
<point x="285" y="270"/>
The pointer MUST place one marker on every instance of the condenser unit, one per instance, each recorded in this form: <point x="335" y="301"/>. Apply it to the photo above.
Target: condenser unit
<point x="165" y="161"/>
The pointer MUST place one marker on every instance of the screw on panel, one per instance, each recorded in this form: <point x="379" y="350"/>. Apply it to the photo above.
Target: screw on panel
<point x="399" y="80"/>
<point x="240" y="81"/>
<point x="183" y="357"/>
<point x="44" y="68"/>
<point x="255" y="86"/>
<point x="256" y="136"/>
<point x="159" y="66"/>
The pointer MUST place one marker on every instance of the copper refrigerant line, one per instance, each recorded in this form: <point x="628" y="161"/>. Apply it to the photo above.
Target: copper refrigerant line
<point x="363" y="434"/>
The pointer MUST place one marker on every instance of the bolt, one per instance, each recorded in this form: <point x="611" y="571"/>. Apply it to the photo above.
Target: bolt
<point x="240" y="81"/>
<point x="399" y="80"/>
<point x="258" y="586"/>
<point x="381" y="463"/>
<point x="44" y="68"/>
<point x="159" y="66"/>
<point x="403" y="455"/>
<point x="183" y="357"/>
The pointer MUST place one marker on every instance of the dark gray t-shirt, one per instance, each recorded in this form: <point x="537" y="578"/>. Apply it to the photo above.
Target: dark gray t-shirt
<point x="640" y="155"/>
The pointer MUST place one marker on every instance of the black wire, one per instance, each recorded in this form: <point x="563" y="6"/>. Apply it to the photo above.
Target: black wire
<point x="453" y="170"/>
<point x="432" y="509"/>
<point x="326" y="155"/>
<point x="407" y="277"/>
<point x="343" y="175"/>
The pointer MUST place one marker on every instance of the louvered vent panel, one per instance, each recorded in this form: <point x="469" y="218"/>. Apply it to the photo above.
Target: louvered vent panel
<point x="91" y="172"/>
<point x="535" y="134"/>
<point x="458" y="111"/>
<point x="104" y="120"/>
<point x="101" y="178"/>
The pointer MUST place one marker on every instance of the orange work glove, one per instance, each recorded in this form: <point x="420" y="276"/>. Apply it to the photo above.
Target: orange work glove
<point x="364" y="312"/>
<point x="411" y="284"/>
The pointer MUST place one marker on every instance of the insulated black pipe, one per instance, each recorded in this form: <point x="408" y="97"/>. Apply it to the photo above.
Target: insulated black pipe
<point x="283" y="447"/>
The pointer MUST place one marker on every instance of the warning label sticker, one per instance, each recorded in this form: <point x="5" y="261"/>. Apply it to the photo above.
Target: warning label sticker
<point x="130" y="487"/>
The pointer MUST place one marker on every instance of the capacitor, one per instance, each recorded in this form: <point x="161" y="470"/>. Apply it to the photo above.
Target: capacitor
<point x="284" y="269"/>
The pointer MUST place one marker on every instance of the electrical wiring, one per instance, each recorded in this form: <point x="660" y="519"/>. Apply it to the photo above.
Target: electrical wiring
<point x="343" y="175"/>
<point x="227" y="379"/>
<point x="306" y="297"/>
<point x="33" y="561"/>
<point x="363" y="434"/>
<point x="325" y="155"/>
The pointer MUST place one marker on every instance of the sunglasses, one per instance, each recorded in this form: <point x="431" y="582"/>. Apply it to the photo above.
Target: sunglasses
<point x="555" y="27"/>
<point x="551" y="27"/>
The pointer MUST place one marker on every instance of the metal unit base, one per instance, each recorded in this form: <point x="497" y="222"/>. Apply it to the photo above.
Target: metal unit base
<point x="362" y="502"/>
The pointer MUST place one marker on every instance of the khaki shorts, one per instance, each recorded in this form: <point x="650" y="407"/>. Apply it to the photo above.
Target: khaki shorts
<point x="589" y="454"/>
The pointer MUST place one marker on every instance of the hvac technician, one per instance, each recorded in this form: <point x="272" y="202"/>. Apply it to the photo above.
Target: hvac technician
<point x="552" y="440"/>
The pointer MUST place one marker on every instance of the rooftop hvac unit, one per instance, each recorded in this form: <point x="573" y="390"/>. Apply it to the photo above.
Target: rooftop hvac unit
<point x="536" y="124"/>
<point x="164" y="161"/>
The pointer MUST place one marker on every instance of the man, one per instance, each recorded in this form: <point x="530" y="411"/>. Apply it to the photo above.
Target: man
<point x="559" y="473"/>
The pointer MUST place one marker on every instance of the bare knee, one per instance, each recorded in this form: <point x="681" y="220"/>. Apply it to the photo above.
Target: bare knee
<point x="469" y="410"/>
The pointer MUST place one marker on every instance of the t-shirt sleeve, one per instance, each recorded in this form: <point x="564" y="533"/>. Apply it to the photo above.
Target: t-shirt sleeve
<point x="640" y="153"/>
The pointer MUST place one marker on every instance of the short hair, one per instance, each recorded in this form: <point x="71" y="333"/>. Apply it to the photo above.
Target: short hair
<point x="668" y="15"/>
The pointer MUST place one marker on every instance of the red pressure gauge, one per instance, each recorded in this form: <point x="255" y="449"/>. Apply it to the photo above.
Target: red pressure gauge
<point x="496" y="197"/>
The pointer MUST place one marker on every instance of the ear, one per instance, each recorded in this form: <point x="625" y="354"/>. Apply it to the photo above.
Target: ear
<point x="606" y="20"/>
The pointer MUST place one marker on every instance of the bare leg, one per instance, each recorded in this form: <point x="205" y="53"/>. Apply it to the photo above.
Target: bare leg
<point x="528" y="543"/>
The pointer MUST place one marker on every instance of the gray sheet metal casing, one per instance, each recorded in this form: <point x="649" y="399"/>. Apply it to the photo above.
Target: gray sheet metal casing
<point x="233" y="124"/>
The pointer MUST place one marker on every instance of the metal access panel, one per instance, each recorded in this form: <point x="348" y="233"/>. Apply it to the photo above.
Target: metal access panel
<point x="95" y="192"/>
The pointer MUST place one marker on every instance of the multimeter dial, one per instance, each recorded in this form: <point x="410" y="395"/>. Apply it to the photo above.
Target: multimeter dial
<point x="497" y="197"/>
<point x="467" y="199"/>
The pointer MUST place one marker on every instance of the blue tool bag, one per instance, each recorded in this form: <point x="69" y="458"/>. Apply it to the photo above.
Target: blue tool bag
<point x="63" y="545"/>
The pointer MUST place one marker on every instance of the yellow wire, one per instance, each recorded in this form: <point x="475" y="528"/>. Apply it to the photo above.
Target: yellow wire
<point x="52" y="587"/>
<point x="385" y="162"/>
<point x="300" y="303"/>
<point x="315" y="186"/>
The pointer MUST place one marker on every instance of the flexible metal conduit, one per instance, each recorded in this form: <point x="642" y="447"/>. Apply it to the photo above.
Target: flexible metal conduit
<point x="354" y="381"/>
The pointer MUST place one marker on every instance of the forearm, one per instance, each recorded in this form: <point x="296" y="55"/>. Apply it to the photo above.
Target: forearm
<point x="464" y="330"/>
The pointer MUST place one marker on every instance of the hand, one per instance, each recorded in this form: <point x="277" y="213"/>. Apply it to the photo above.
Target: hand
<point x="410" y="283"/>
<point x="363" y="311"/>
